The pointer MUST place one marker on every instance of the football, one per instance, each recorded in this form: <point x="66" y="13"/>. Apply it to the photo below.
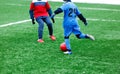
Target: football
<point x="63" y="47"/>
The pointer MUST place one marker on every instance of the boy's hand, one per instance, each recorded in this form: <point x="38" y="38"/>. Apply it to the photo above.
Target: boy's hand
<point x="33" y="21"/>
<point x="85" y="23"/>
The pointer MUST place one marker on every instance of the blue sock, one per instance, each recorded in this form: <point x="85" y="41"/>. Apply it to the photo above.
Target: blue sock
<point x="82" y="35"/>
<point x="67" y="42"/>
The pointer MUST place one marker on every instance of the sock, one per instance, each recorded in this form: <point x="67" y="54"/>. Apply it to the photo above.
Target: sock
<point x="67" y="42"/>
<point x="82" y="35"/>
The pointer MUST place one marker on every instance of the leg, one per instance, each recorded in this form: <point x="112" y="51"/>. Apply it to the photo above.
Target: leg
<point x="67" y="33"/>
<point x="80" y="35"/>
<point x="67" y="42"/>
<point x="50" y="28"/>
<point x="49" y="25"/>
<point x="85" y="36"/>
<point x="40" y="27"/>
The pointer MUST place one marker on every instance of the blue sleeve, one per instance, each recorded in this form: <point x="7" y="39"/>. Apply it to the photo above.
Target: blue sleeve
<point x="77" y="12"/>
<point x="63" y="7"/>
<point x="80" y="16"/>
<point x="31" y="14"/>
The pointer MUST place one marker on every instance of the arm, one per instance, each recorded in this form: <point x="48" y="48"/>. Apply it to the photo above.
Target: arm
<point x="31" y="13"/>
<point x="81" y="17"/>
<point x="50" y="14"/>
<point x="59" y="10"/>
<point x="49" y="10"/>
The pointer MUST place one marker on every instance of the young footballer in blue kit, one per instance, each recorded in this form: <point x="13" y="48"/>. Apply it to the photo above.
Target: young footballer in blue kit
<point x="70" y="23"/>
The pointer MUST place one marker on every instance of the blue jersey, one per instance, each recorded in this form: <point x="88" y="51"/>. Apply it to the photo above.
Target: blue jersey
<point x="70" y="12"/>
<point x="70" y="23"/>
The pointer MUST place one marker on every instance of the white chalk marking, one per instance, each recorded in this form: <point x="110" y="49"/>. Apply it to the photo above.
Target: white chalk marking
<point x="13" y="23"/>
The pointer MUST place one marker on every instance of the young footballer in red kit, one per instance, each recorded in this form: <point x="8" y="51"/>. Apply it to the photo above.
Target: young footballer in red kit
<point x="40" y="11"/>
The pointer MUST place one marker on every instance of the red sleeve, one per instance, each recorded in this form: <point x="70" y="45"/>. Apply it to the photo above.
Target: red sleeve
<point x="32" y="6"/>
<point x="47" y="6"/>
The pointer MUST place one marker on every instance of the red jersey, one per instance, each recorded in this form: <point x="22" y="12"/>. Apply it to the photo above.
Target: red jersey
<point x="39" y="7"/>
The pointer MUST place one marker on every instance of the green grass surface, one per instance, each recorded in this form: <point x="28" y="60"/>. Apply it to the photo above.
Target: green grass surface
<point x="20" y="53"/>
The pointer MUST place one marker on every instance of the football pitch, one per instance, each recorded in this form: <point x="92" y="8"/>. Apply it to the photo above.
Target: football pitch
<point x="20" y="53"/>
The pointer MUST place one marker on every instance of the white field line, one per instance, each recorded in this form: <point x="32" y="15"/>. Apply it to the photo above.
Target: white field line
<point x="90" y="19"/>
<point x="86" y="8"/>
<point x="102" y="9"/>
<point x="103" y="20"/>
<point x="13" y="23"/>
<point x="112" y="2"/>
